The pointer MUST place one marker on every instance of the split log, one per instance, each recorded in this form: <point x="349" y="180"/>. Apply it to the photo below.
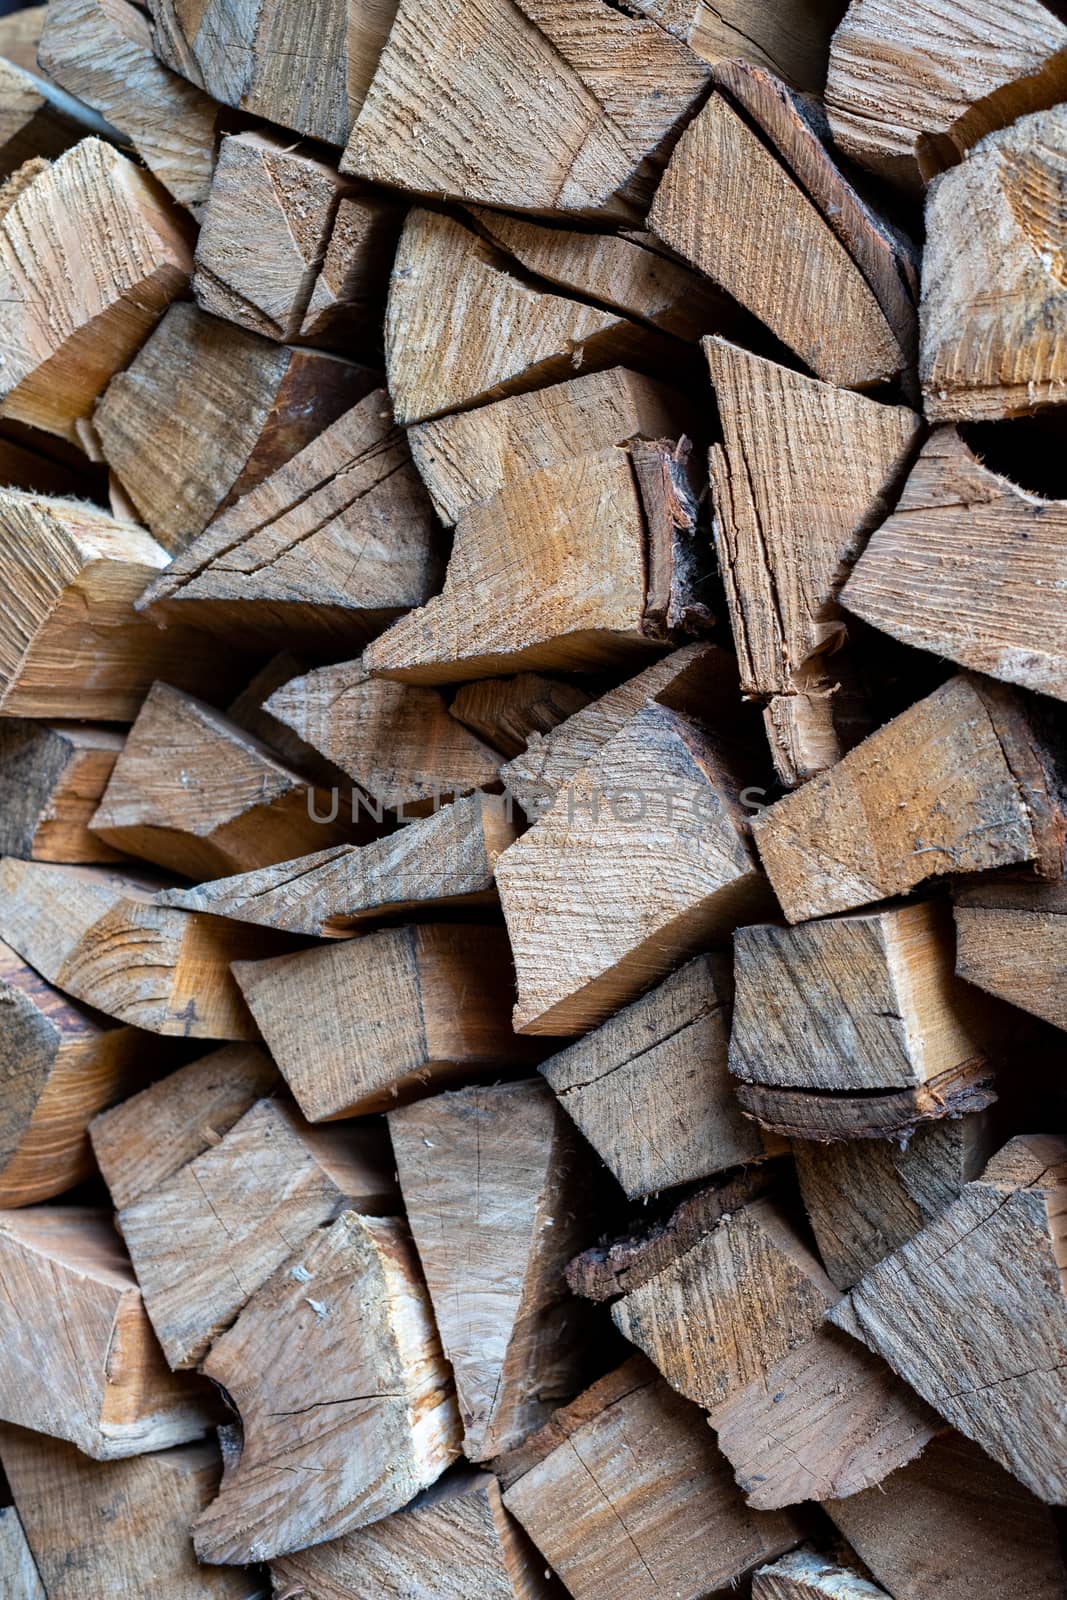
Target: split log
<point x="864" y="1199"/>
<point x="52" y="775"/>
<point x="397" y="742"/>
<point x="729" y="207"/>
<point x="494" y="1199"/>
<point x="349" y="1314"/>
<point x="100" y="937"/>
<point x="18" y="1570"/>
<point x="455" y="1540"/>
<point x="59" y="1065"/>
<point x="953" y="784"/>
<point x="450" y="295"/>
<point x="505" y="712"/>
<point x="941" y="1316"/>
<point x="203" y="1241"/>
<point x="910" y="87"/>
<point x="792" y="41"/>
<point x="643" y="862"/>
<point x="954" y="1525"/>
<point x="32" y="127"/>
<point x="350" y="291"/>
<point x="650" y="1088"/>
<point x="101" y="52"/>
<point x="994" y="307"/>
<point x="194" y="793"/>
<point x="827" y="1116"/>
<point x="632" y="1458"/>
<point x="805" y="1575"/>
<point x="580" y="100"/>
<point x="804" y="473"/>
<point x="99" y="1530"/>
<point x="237" y="404"/>
<point x="445" y="860"/>
<point x="751" y="1283"/>
<point x="1011" y="940"/>
<point x="20" y="33"/>
<point x="470" y="455"/>
<point x="371" y="1023"/>
<point x="78" y="1358"/>
<point x="90" y="257"/>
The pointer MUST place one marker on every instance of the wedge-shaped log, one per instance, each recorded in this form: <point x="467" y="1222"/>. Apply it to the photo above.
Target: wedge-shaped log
<point x="936" y="1311"/>
<point x="239" y="405"/>
<point x="994" y="315"/>
<point x="491" y="1185"/>
<point x="966" y="567"/>
<point x="734" y="211"/>
<point x="90" y="257"/>
<point x="828" y="1116"/>
<point x="580" y="102"/>
<point x="324" y="553"/>
<point x="98" y="1530"/>
<point x="206" y="1239"/>
<point x="954" y="784"/>
<point x="793" y="44"/>
<point x="643" y="861"/>
<point x="450" y="295"/>
<point x="101" y="938"/>
<point x="805" y="1575"/>
<point x="370" y="1023"/>
<point x="506" y="712"/>
<point x="911" y="86"/>
<point x="350" y="290"/>
<point x="78" y="1356"/>
<point x="651" y="1507"/>
<point x="18" y="1570"/>
<point x="336" y="1370"/>
<point x="100" y="51"/>
<point x="469" y="455"/>
<point x="650" y="1088"/>
<point x="444" y="860"/>
<point x="1011" y="939"/>
<point x="194" y="793"/>
<point x="455" y="1540"/>
<point x="801" y="477"/>
<point x="52" y="775"/>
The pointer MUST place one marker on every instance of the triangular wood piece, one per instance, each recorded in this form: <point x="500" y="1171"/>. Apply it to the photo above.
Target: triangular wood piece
<point x="52" y="775"/>
<point x="828" y="1115"/>
<point x="337" y="1372"/>
<point x="748" y="29"/>
<point x="804" y="1575"/>
<point x="506" y="712"/>
<point x="1011" y="939"/>
<point x="488" y="1181"/>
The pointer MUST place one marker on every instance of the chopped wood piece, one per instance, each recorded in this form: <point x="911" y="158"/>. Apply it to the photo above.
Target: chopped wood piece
<point x="1011" y="939"/>
<point x="206" y="1239"/>
<point x="853" y="1003"/>
<point x="52" y="775"/>
<point x="906" y="80"/>
<point x="455" y="1540"/>
<point x="826" y="1116"/>
<point x="938" y="1314"/>
<point x="966" y="566"/>
<point x="32" y="127"/>
<point x="59" y="1066"/>
<point x="449" y="297"/>
<point x="751" y="1283"/>
<point x="323" y="554"/>
<point x="247" y="710"/>
<point x="730" y="208"/>
<point x="90" y="257"/>
<point x="398" y="743"/>
<point x="196" y="794"/>
<point x="506" y="711"/>
<point x="994" y="307"/>
<point x="20" y="32"/>
<point x="100" y="1530"/>
<point x="827" y="1418"/>
<point x="533" y="105"/>
<point x="446" y="859"/>
<point x="792" y="40"/>
<point x="802" y="476"/>
<point x="101" y="52"/>
<point x="642" y="862"/>
<point x="306" y="66"/>
<point x="805" y="1575"/>
<point x="99" y="936"/>
<point x="336" y="1370"/>
<point x="492" y="1188"/>
<point x="954" y="1525"/>
<point x="470" y="455"/>
<point x="18" y="1570"/>
<point x="631" y="1497"/>
<point x="238" y="405"/>
<point x="78" y="1358"/>
<point x="650" y="1088"/>
<point x="933" y="791"/>
<point x="350" y="291"/>
<point x="865" y="1199"/>
<point x="371" y="1023"/>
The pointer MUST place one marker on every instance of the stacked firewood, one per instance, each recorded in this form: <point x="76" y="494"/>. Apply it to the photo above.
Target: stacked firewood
<point x="533" y="800"/>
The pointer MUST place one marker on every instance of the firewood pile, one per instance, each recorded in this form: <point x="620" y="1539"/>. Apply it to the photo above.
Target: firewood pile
<point x="533" y="800"/>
